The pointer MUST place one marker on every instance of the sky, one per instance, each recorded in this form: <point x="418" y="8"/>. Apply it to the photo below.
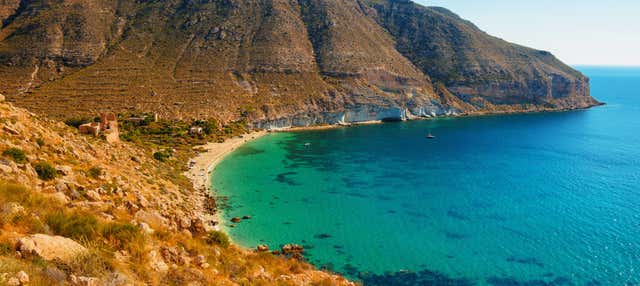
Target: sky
<point x="585" y="32"/>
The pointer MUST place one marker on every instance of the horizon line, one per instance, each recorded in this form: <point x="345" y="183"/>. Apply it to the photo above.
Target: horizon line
<point x="606" y="65"/>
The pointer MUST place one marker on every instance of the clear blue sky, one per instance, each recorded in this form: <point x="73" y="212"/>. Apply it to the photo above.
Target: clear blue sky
<point x="586" y="32"/>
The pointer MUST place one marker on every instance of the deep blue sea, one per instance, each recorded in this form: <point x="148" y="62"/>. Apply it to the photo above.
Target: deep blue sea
<point x="533" y="199"/>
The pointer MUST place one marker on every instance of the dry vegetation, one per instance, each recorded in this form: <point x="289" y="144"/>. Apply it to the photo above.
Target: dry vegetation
<point x="267" y="60"/>
<point x="138" y="219"/>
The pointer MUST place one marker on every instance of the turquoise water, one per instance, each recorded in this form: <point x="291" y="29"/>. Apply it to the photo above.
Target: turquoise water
<point x="536" y="199"/>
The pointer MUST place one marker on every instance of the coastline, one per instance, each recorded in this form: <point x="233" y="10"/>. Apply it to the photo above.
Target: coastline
<point x="201" y="166"/>
<point x="211" y="154"/>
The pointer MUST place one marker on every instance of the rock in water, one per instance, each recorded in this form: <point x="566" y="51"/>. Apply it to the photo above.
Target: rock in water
<point x="51" y="247"/>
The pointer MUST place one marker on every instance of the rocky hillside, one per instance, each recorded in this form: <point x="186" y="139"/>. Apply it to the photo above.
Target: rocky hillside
<point x="274" y="62"/>
<point x="75" y="210"/>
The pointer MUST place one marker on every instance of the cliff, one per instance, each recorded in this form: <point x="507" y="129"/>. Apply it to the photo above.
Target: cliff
<point x="273" y="62"/>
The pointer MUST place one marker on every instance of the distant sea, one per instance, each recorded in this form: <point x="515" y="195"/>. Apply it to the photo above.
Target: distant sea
<point x="532" y="199"/>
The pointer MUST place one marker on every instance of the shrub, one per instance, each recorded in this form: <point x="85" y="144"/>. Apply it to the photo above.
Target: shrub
<point x="73" y="225"/>
<point x="45" y="171"/>
<point x="218" y="237"/>
<point x="23" y="196"/>
<point x="17" y="155"/>
<point x="5" y="248"/>
<point x="76" y="122"/>
<point x="96" y="262"/>
<point x="162" y="155"/>
<point x="120" y="234"/>
<point x="40" y="142"/>
<point x="95" y="172"/>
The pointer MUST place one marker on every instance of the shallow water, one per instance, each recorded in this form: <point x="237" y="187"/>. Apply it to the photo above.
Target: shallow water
<point x="501" y="200"/>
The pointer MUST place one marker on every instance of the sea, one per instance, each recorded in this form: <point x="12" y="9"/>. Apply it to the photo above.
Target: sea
<point x="528" y="199"/>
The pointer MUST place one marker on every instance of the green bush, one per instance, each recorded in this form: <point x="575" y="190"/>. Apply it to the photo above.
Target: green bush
<point x="45" y="171"/>
<point x="40" y="142"/>
<point x="120" y="234"/>
<point x="162" y="155"/>
<point x="219" y="238"/>
<point x="95" y="172"/>
<point x="16" y="154"/>
<point x="73" y="225"/>
<point x="76" y="122"/>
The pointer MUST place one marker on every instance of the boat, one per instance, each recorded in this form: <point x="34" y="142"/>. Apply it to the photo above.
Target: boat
<point x="430" y="136"/>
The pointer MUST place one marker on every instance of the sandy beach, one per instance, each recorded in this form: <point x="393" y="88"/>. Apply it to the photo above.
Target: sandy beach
<point x="201" y="166"/>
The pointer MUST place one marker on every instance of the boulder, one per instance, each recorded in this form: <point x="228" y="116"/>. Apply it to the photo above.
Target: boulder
<point x="62" y="187"/>
<point x="93" y="196"/>
<point x="64" y="170"/>
<point x="5" y="169"/>
<point x="152" y="218"/>
<point x="13" y="281"/>
<point x="200" y="260"/>
<point x="292" y="249"/>
<point x="10" y="130"/>
<point x="23" y="277"/>
<point x="142" y="201"/>
<point x="156" y="263"/>
<point x="146" y="228"/>
<point x="263" y="248"/>
<point x="51" y="247"/>
<point x="2" y="98"/>
<point x="84" y="281"/>
<point x="200" y="225"/>
<point x="183" y="221"/>
<point x="175" y="256"/>
<point x="236" y="220"/>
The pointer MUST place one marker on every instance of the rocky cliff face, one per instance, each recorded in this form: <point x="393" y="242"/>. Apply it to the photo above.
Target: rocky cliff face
<point x="476" y="67"/>
<point x="274" y="62"/>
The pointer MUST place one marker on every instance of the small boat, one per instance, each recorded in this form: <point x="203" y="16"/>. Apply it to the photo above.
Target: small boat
<point x="307" y="145"/>
<point x="430" y="136"/>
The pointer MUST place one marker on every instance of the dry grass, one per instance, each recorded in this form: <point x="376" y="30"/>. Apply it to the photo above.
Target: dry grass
<point x="104" y="225"/>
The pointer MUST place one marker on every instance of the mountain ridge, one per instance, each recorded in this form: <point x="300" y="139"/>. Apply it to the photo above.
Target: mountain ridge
<point x="275" y="63"/>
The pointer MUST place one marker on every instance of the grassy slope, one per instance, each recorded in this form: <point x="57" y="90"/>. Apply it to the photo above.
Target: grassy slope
<point x="123" y="175"/>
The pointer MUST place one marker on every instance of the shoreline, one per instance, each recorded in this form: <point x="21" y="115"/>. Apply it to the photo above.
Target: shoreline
<point x="202" y="165"/>
<point x="418" y="118"/>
